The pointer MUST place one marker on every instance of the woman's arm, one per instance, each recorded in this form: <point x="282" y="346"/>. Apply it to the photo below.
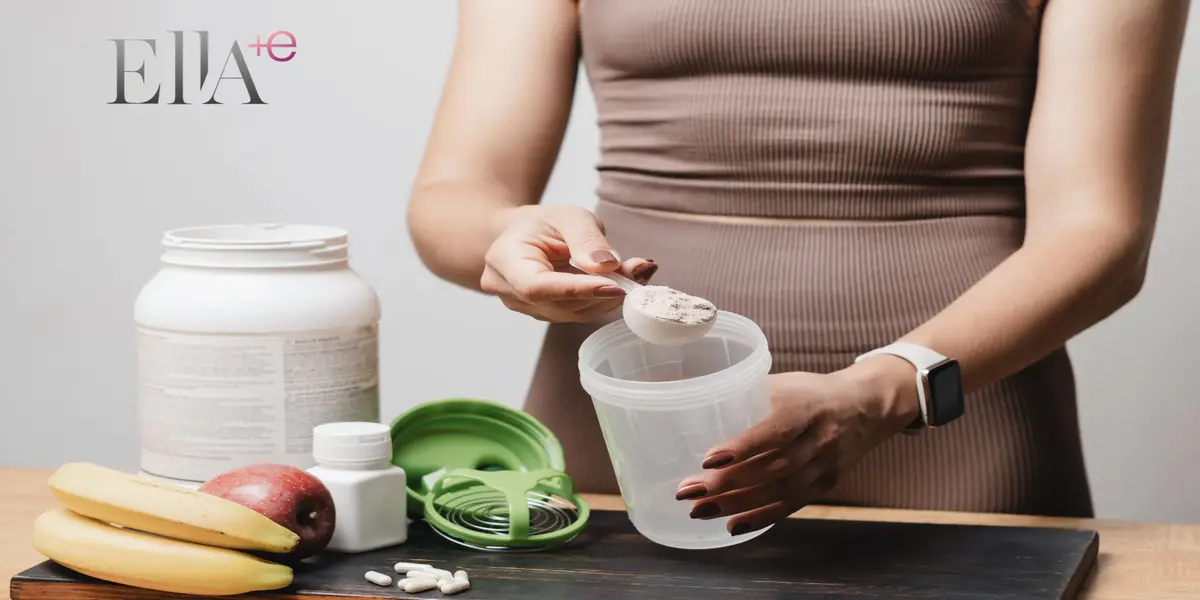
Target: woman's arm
<point x="498" y="129"/>
<point x="1094" y="163"/>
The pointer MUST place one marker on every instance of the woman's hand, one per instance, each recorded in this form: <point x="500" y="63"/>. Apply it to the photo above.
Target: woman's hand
<point x="527" y="265"/>
<point x="819" y="427"/>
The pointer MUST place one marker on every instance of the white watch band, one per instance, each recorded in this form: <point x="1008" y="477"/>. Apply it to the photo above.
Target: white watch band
<point x="921" y="357"/>
<point x="918" y="356"/>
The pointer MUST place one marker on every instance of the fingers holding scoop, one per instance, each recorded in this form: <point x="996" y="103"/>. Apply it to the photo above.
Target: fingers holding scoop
<point x="554" y="291"/>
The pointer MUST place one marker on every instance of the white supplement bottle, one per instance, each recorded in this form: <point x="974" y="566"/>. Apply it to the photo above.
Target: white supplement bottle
<point x="247" y="337"/>
<point x="353" y="461"/>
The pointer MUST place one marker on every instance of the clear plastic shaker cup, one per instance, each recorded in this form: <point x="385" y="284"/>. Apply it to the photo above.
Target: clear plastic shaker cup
<point x="661" y="408"/>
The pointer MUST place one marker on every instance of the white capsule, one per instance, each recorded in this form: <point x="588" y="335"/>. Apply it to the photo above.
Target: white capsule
<point x="422" y="574"/>
<point x="378" y="578"/>
<point x="461" y="576"/>
<point x="441" y="573"/>
<point x="453" y="586"/>
<point x="403" y="567"/>
<point x="413" y="586"/>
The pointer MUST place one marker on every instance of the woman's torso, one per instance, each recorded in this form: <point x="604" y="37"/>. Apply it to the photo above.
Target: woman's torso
<point x="812" y="109"/>
<point x="837" y="170"/>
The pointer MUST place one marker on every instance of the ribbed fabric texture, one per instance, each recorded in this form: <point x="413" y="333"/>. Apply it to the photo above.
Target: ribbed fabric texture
<point x="838" y="171"/>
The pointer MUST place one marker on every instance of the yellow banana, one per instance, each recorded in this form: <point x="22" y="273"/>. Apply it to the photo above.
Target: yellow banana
<point x="167" y="510"/>
<point x="149" y="561"/>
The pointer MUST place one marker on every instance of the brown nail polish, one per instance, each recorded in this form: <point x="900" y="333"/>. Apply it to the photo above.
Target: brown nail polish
<point x="609" y="291"/>
<point x="717" y="460"/>
<point x="691" y="492"/>
<point x="739" y="529"/>
<point x="706" y="510"/>
<point x="602" y="256"/>
<point x="645" y="271"/>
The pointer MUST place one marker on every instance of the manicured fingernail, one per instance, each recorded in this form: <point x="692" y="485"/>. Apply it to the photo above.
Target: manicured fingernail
<point x="739" y="529"/>
<point x="602" y="256"/>
<point x="691" y="492"/>
<point x="645" y="271"/>
<point x="610" y="291"/>
<point x="706" y="510"/>
<point x="717" y="460"/>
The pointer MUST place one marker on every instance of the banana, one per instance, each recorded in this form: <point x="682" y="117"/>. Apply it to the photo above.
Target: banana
<point x="167" y="510"/>
<point x="149" y="561"/>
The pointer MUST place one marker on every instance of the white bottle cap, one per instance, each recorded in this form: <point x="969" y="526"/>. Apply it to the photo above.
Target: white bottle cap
<point x="352" y="443"/>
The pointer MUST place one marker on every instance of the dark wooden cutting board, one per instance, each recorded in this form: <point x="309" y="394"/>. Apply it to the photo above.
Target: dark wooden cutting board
<point x="800" y="559"/>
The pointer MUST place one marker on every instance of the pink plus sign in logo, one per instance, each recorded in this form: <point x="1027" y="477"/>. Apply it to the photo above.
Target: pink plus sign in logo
<point x="270" y="46"/>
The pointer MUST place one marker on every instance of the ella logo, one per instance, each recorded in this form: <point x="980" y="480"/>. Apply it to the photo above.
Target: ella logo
<point x="279" y="47"/>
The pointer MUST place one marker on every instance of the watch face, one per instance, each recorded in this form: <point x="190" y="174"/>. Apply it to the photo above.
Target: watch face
<point x="945" y="387"/>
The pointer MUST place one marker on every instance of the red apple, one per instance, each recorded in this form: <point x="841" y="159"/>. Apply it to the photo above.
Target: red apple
<point x="287" y="495"/>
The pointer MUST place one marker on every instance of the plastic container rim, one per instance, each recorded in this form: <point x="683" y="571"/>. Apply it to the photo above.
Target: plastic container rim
<point x="314" y="236"/>
<point x="697" y="391"/>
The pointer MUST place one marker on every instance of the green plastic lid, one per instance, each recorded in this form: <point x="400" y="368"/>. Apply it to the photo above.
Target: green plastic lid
<point x="436" y="437"/>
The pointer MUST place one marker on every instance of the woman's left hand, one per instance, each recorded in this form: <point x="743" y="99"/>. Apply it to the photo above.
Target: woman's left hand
<point x="819" y="427"/>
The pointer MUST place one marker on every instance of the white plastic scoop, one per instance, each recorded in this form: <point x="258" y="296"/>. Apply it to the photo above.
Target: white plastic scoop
<point x="648" y="326"/>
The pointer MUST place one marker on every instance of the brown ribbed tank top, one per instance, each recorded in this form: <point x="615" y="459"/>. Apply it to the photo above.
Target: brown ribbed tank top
<point x="838" y="171"/>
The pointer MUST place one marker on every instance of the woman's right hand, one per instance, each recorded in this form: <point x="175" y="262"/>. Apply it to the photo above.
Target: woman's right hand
<point x="526" y="266"/>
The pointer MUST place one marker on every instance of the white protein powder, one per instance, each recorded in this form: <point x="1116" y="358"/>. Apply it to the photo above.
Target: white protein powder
<point x="662" y="302"/>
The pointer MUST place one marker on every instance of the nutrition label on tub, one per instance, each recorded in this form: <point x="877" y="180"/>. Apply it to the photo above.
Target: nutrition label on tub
<point x="209" y="403"/>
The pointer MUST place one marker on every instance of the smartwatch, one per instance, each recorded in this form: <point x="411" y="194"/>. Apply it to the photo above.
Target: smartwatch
<point x="939" y="383"/>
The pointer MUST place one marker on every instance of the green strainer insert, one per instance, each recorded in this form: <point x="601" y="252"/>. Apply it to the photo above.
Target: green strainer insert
<point x="506" y="510"/>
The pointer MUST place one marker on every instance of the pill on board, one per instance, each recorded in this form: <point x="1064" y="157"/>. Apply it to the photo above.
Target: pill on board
<point x="402" y="567"/>
<point x="413" y="586"/>
<point x="422" y="574"/>
<point x="378" y="578"/>
<point x="453" y="586"/>
<point x="441" y="573"/>
<point x="461" y="576"/>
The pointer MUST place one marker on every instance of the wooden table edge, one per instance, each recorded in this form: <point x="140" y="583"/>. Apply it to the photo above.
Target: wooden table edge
<point x="902" y="515"/>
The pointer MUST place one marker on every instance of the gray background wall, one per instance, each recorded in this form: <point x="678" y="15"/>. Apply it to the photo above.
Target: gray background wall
<point x="87" y="188"/>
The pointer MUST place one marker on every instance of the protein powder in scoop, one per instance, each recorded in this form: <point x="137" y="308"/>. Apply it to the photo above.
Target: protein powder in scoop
<point x="668" y="304"/>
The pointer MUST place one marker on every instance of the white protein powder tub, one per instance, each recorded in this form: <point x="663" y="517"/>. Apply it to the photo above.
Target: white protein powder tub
<point x="248" y="337"/>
